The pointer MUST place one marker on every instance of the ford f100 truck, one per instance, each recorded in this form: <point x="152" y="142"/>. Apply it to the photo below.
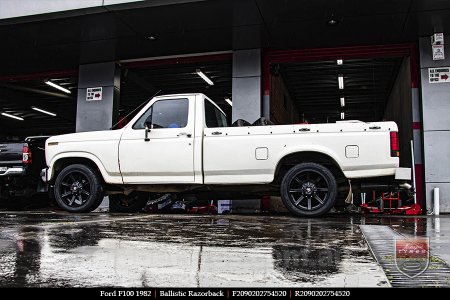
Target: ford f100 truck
<point x="182" y="143"/>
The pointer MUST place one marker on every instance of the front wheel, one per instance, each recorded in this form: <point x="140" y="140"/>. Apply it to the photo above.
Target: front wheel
<point x="78" y="189"/>
<point x="308" y="190"/>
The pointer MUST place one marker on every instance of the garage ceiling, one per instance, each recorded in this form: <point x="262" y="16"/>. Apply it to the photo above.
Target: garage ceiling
<point x="18" y="97"/>
<point x="64" y="40"/>
<point x="314" y="87"/>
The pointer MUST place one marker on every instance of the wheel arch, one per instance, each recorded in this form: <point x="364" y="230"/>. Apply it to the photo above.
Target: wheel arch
<point x="294" y="158"/>
<point x="65" y="160"/>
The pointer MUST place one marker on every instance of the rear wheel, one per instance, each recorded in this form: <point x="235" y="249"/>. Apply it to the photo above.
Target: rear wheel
<point x="308" y="189"/>
<point x="131" y="203"/>
<point x="78" y="188"/>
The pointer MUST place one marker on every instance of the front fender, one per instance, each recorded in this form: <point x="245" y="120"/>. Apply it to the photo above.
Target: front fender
<point x="114" y="178"/>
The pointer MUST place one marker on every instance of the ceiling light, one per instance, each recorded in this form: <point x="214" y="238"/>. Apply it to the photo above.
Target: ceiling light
<point x="342" y="101"/>
<point x="151" y="38"/>
<point x="341" y="81"/>
<point x="43" y="111"/>
<point x="332" y="21"/>
<point x="228" y="100"/>
<point x="57" y="87"/>
<point x="12" y="117"/>
<point x="205" y="78"/>
<point x="339" y="62"/>
<point x="342" y="115"/>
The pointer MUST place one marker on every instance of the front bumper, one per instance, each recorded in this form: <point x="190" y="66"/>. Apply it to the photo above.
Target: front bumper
<point x="13" y="171"/>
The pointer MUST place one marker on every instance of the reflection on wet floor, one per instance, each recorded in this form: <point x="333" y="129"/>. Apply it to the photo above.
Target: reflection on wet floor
<point x="58" y="249"/>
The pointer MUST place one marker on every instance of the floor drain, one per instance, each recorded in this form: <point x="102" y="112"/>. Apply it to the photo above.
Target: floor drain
<point x="381" y="242"/>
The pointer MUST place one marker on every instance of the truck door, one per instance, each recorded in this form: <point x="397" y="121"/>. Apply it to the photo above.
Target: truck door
<point x="167" y="156"/>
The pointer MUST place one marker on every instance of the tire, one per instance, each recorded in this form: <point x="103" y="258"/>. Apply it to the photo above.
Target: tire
<point x="131" y="203"/>
<point x="78" y="189"/>
<point x="308" y="190"/>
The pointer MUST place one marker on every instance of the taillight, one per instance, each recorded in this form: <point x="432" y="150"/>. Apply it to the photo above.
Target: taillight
<point x="395" y="144"/>
<point x="26" y="155"/>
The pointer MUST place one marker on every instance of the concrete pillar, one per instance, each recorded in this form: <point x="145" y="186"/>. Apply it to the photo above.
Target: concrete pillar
<point x="98" y="114"/>
<point x="246" y="85"/>
<point x="436" y="126"/>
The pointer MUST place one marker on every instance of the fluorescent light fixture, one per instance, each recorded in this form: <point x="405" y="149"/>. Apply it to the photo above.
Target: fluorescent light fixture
<point x="341" y="81"/>
<point x="342" y="101"/>
<point x="43" y="111"/>
<point x="205" y="78"/>
<point x="228" y="100"/>
<point x="57" y="87"/>
<point x="339" y="62"/>
<point x="342" y="115"/>
<point x="12" y="117"/>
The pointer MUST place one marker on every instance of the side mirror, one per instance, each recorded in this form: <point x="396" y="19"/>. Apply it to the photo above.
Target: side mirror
<point x="148" y="127"/>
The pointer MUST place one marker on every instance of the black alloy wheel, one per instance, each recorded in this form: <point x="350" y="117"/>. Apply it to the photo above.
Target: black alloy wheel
<point x="309" y="189"/>
<point x="78" y="189"/>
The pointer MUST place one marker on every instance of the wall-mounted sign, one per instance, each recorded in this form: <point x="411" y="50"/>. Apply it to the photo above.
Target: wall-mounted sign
<point x="438" y="52"/>
<point x="437" y="39"/>
<point x="439" y="75"/>
<point x="94" y="94"/>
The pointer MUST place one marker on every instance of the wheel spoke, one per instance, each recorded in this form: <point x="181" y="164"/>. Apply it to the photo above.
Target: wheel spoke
<point x="309" y="203"/>
<point x="66" y="194"/>
<point x="308" y="176"/>
<point x="85" y="192"/>
<point x="295" y="191"/>
<point x="79" y="200"/>
<point x="65" y="184"/>
<point x="322" y="189"/>
<point x="298" y="180"/>
<point x="72" y="178"/>
<point x="71" y="200"/>
<point x="318" y="199"/>
<point x="297" y="202"/>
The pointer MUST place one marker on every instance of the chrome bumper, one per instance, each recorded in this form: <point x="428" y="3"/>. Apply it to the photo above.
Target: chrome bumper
<point x="13" y="171"/>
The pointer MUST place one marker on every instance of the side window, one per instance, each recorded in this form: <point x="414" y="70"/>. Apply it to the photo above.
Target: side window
<point x="213" y="116"/>
<point x="171" y="113"/>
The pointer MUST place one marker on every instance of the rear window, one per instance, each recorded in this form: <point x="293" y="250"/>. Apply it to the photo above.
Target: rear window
<point x="213" y="116"/>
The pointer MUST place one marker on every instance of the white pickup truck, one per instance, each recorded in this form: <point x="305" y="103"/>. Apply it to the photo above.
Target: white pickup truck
<point x="182" y="143"/>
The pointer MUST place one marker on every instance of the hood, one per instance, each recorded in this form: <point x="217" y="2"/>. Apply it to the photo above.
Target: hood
<point x="105" y="135"/>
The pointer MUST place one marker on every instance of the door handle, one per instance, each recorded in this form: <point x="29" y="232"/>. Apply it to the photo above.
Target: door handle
<point x="304" y="129"/>
<point x="375" y="127"/>
<point x="185" y="134"/>
<point x="216" y="133"/>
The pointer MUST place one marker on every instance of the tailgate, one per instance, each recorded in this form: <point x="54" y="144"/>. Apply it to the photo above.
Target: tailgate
<point x="10" y="154"/>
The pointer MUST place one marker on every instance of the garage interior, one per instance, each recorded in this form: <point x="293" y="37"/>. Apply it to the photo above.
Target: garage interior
<point x="41" y="109"/>
<point x="141" y="80"/>
<point x="328" y="91"/>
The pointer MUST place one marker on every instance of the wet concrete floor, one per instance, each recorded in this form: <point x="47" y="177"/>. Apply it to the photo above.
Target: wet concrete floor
<point x="56" y="249"/>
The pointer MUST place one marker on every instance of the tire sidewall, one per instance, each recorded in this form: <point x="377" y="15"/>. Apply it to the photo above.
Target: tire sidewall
<point x="96" y="190"/>
<point x="323" y="171"/>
